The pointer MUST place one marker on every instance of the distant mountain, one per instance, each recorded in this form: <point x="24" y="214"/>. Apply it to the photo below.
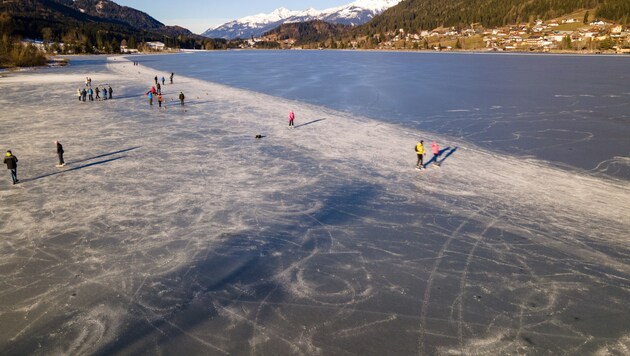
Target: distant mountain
<point x="356" y="13"/>
<point x="30" y="18"/>
<point x="110" y="10"/>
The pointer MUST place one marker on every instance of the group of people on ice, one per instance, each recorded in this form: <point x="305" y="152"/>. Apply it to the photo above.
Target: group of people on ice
<point x="156" y="92"/>
<point x="87" y="93"/>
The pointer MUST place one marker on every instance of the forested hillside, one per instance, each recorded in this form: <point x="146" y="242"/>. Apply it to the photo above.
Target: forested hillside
<point x="415" y="15"/>
<point x="84" y="26"/>
<point x="307" y="32"/>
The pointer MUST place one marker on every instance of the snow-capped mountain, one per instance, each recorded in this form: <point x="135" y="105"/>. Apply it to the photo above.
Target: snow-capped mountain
<point x="356" y="13"/>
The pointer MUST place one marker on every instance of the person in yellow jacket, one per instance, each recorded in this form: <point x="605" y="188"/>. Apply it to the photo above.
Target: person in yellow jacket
<point x="11" y="161"/>
<point x="420" y="153"/>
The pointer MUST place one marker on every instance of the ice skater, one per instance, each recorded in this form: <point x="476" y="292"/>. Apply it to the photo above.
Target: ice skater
<point x="150" y="95"/>
<point x="159" y="100"/>
<point x="436" y="153"/>
<point x="91" y="94"/>
<point x="97" y="91"/>
<point x="155" y="79"/>
<point x="172" y="75"/>
<point x="420" y="154"/>
<point x="60" y="154"/>
<point x="163" y="80"/>
<point x="79" y="94"/>
<point x="159" y="88"/>
<point x="83" y="94"/>
<point x="291" y="118"/>
<point x="181" y="98"/>
<point x="11" y="161"/>
<point x="110" y="91"/>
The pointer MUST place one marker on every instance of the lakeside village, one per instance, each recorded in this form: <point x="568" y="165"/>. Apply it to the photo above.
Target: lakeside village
<point x="566" y="35"/>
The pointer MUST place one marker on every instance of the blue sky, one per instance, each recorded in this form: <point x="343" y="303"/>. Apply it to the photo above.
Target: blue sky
<point x="199" y="15"/>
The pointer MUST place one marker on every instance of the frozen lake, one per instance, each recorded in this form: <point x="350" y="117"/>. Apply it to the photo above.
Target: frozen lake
<point x="177" y="232"/>
<point x="570" y="110"/>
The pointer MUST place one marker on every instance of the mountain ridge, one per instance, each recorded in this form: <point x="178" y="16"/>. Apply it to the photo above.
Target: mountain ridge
<point x="355" y="13"/>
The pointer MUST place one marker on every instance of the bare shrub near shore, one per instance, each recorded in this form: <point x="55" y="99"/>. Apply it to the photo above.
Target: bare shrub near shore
<point x="19" y="55"/>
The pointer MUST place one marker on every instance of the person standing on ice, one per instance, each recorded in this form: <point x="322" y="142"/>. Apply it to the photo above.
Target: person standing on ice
<point x="150" y="95"/>
<point x="291" y="118"/>
<point x="83" y="94"/>
<point x="159" y="88"/>
<point x="420" y="153"/>
<point x="11" y="161"/>
<point x="79" y="94"/>
<point x="60" y="153"/>
<point x="97" y="91"/>
<point x="436" y="153"/>
<point x="159" y="100"/>
<point x="181" y="98"/>
<point x="172" y="74"/>
<point x="163" y="80"/>
<point x="110" y="91"/>
<point x="155" y="79"/>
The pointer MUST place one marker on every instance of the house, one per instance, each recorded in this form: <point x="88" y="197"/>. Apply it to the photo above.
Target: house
<point x="155" y="46"/>
<point x="40" y="45"/>
<point x="125" y="49"/>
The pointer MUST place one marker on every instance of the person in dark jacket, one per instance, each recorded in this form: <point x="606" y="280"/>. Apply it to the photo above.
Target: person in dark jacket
<point x="11" y="161"/>
<point x="110" y="91"/>
<point x="181" y="98"/>
<point x="172" y="75"/>
<point x="60" y="153"/>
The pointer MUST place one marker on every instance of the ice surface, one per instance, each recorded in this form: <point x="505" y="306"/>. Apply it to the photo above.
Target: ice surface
<point x="173" y="231"/>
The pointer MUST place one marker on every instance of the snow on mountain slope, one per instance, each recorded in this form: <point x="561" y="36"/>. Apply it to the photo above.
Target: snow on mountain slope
<point x="355" y="13"/>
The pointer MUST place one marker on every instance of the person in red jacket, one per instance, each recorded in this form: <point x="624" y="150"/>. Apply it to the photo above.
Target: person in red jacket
<point x="291" y="118"/>
<point x="436" y="153"/>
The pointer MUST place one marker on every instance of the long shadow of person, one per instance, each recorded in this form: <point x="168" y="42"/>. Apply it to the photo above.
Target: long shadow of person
<point x="309" y="123"/>
<point x="73" y="169"/>
<point x="447" y="155"/>
<point x="434" y="158"/>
